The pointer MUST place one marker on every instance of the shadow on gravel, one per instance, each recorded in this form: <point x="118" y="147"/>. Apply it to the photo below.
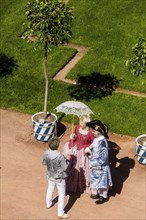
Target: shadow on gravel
<point x="72" y="199"/>
<point x="120" y="168"/>
<point x="61" y="128"/>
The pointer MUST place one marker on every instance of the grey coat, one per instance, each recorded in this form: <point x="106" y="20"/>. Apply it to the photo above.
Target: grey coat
<point x="56" y="164"/>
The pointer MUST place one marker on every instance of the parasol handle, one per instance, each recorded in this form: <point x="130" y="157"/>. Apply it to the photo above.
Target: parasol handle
<point x="73" y="125"/>
<point x="72" y="128"/>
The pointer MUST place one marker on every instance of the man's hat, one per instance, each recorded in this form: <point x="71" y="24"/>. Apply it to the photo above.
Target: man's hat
<point x="97" y="125"/>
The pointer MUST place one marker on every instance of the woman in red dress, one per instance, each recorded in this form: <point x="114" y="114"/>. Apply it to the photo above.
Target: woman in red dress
<point x="78" y="170"/>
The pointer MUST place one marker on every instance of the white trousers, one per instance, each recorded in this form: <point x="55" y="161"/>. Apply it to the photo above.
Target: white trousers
<point x="61" y="195"/>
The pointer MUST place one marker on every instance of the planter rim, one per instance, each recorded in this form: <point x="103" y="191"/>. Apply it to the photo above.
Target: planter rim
<point x="41" y="113"/>
<point x="141" y="149"/>
<point x="140" y="136"/>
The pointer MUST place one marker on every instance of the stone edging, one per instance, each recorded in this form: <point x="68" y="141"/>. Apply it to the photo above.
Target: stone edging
<point x="61" y="75"/>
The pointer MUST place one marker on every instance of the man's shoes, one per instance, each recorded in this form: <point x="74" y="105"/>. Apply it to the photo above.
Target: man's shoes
<point x="101" y="200"/>
<point x="93" y="196"/>
<point x="64" y="216"/>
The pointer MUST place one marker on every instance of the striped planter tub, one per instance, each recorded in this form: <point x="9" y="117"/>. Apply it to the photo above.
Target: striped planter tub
<point x="141" y="149"/>
<point x="44" y="131"/>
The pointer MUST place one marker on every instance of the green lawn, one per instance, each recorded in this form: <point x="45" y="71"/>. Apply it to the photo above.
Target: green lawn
<point x="109" y="28"/>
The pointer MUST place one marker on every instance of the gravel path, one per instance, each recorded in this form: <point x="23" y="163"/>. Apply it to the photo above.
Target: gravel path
<point x="24" y="183"/>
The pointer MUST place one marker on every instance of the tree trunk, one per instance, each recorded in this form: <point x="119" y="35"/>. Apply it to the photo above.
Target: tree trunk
<point x="46" y="82"/>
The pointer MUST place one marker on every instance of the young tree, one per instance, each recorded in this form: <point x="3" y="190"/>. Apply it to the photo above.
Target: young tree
<point x="49" y="21"/>
<point x="137" y="62"/>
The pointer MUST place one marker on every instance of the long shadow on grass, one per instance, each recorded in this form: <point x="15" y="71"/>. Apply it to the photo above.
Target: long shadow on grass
<point x="7" y="65"/>
<point x="120" y="168"/>
<point x="96" y="85"/>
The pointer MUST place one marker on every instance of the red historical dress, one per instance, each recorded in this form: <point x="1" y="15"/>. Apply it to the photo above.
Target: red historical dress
<point x="78" y="171"/>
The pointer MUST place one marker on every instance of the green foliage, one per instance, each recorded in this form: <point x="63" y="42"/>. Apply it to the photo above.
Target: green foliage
<point x="49" y="21"/>
<point x="137" y="62"/>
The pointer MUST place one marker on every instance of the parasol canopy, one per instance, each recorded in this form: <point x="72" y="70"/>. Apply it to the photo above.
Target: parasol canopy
<point x="74" y="107"/>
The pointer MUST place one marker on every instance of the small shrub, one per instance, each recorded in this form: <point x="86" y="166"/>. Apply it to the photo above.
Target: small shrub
<point x="137" y="62"/>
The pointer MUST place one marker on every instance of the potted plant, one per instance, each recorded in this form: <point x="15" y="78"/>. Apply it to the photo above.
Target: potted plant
<point x="141" y="149"/>
<point x="48" y="23"/>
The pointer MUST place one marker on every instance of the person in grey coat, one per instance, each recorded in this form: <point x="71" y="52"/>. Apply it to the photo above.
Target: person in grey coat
<point x="100" y="175"/>
<point x="56" y="173"/>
